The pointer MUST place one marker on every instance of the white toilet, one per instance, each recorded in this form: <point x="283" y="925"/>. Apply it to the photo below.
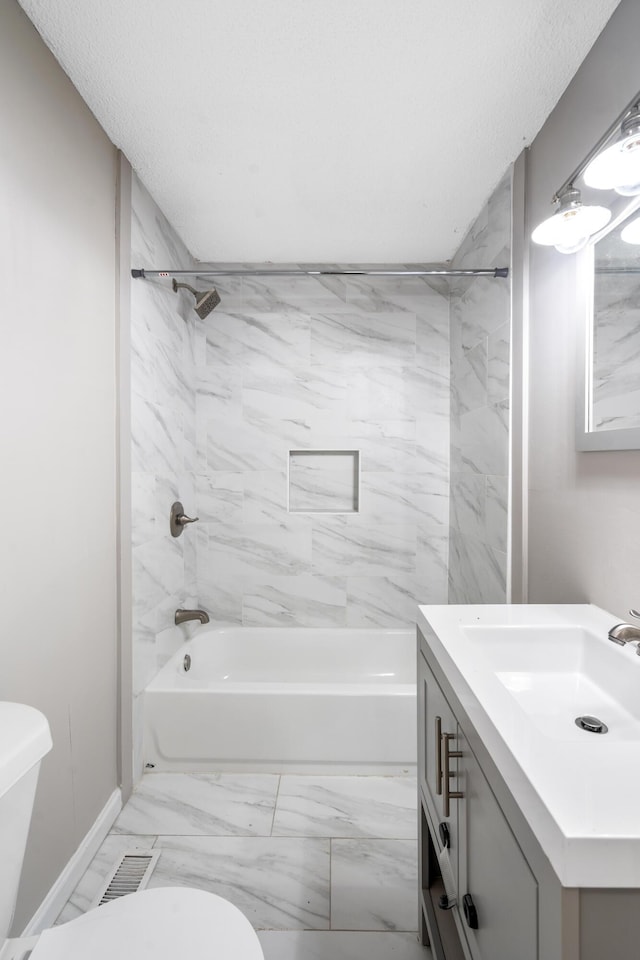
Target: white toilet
<point x="162" y="923"/>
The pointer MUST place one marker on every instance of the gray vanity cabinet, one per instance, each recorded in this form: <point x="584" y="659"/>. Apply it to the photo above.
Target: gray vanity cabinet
<point x="518" y="908"/>
<point x="436" y="720"/>
<point x="493" y="869"/>
<point x="487" y="862"/>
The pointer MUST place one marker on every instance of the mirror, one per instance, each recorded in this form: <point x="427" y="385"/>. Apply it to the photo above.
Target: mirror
<point x="609" y="398"/>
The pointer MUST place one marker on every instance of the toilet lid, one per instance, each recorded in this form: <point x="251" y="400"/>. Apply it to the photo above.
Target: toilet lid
<point x="159" y="924"/>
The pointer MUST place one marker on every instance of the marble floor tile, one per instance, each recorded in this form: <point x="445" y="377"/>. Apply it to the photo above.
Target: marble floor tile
<point x="339" y="945"/>
<point x="98" y="870"/>
<point x="346" y="807"/>
<point x="279" y="884"/>
<point x="374" y="885"/>
<point x="201" y="805"/>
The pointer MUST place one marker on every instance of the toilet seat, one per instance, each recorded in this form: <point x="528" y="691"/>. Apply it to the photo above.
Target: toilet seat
<point x="159" y="924"/>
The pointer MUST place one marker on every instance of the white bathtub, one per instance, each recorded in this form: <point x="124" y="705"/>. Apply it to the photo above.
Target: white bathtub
<point x="299" y="700"/>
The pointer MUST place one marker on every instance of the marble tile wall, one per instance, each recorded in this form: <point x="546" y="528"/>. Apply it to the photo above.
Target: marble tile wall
<point x="331" y="363"/>
<point x="163" y="404"/>
<point x="413" y="375"/>
<point x="480" y="350"/>
<point x="616" y="347"/>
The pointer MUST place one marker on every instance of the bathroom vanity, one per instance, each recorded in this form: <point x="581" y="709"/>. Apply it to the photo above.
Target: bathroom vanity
<point x="529" y="826"/>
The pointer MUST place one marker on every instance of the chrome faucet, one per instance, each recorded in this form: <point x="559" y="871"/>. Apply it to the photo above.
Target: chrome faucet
<point x="624" y="633"/>
<point x="183" y="615"/>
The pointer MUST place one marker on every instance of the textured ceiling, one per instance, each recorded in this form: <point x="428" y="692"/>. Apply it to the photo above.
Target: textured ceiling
<point x="320" y="130"/>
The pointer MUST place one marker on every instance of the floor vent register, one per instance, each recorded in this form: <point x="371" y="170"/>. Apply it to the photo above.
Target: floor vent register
<point x="130" y="874"/>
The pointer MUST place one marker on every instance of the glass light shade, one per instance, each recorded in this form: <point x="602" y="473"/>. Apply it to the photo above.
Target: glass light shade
<point x="569" y="229"/>
<point x="617" y="167"/>
<point x="631" y="233"/>
<point x="629" y="190"/>
<point x="574" y="247"/>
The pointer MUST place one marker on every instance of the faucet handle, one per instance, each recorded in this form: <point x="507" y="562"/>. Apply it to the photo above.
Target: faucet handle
<point x="634" y="613"/>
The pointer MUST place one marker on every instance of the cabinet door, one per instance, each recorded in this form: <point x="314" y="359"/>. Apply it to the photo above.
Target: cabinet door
<point x="436" y="719"/>
<point x="493" y="870"/>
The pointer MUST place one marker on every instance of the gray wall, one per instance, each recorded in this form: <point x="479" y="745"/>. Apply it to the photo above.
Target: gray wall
<point x="584" y="508"/>
<point x="480" y="320"/>
<point x="57" y="434"/>
<point x="328" y="363"/>
<point x="163" y="446"/>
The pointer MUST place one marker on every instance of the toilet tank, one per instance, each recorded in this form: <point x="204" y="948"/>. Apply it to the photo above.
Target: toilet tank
<point x="24" y="740"/>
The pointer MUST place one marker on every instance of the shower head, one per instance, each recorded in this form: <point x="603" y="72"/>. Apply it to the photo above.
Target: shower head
<point x="205" y="301"/>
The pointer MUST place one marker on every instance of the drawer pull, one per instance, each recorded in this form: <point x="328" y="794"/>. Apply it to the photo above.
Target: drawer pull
<point x="449" y="774"/>
<point x="438" y="755"/>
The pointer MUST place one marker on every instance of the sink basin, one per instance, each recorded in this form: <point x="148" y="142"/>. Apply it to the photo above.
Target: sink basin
<point x="557" y="673"/>
<point x="518" y="677"/>
<point x="532" y="648"/>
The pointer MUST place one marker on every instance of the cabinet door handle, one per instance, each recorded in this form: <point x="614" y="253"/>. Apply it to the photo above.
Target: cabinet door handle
<point x="445" y="836"/>
<point x="470" y="912"/>
<point x="438" y="755"/>
<point x="448" y="774"/>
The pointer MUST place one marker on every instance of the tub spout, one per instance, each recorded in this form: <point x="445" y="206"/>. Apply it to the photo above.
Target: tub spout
<point x="183" y="615"/>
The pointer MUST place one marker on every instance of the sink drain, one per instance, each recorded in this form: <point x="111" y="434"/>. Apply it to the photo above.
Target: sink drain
<point x="591" y="724"/>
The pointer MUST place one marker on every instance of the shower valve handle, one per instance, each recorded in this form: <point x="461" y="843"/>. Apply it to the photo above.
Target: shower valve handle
<point x="178" y="519"/>
<point x="184" y="519"/>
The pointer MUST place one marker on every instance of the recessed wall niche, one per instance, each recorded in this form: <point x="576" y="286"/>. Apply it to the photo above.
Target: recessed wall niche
<point x="324" y="481"/>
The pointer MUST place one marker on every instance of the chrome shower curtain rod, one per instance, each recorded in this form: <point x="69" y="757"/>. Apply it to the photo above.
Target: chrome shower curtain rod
<point x="440" y="272"/>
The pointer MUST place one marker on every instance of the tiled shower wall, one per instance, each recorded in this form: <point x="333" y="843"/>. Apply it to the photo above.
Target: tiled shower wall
<point x="225" y="410"/>
<point x="163" y="451"/>
<point x="330" y="364"/>
<point x="480" y="366"/>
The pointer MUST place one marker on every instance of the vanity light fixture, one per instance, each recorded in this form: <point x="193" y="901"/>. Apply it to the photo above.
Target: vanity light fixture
<point x="569" y="229"/>
<point x="631" y="233"/>
<point x="618" y="167"/>
<point x="608" y="166"/>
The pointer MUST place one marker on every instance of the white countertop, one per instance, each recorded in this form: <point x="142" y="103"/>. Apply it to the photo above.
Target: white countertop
<point x="578" y="791"/>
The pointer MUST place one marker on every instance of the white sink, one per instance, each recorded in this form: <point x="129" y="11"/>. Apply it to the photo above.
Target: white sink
<point x="559" y="673"/>
<point x="522" y="674"/>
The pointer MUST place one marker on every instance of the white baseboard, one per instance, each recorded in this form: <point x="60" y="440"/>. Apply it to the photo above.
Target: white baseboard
<point x="66" y="883"/>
